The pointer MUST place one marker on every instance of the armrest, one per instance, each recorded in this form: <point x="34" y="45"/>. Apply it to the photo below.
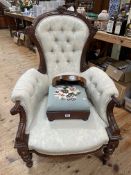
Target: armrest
<point x="29" y="91"/>
<point x="100" y="89"/>
<point x="113" y="129"/>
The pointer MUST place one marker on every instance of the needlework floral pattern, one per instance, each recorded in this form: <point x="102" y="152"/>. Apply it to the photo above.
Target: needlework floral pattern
<point x="67" y="93"/>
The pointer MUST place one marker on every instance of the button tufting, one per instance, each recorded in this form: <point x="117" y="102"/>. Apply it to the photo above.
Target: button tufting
<point x="57" y="61"/>
<point x="100" y="92"/>
<point x="68" y="40"/>
<point x="95" y="84"/>
<point x="52" y="50"/>
<point x="73" y="50"/>
<point x="56" y="39"/>
<point x="37" y="80"/>
<point x="33" y="85"/>
<point x="62" y="50"/>
<point x="68" y="61"/>
<point x="73" y="30"/>
<point x="90" y="78"/>
<point x="50" y="29"/>
<point x="62" y="29"/>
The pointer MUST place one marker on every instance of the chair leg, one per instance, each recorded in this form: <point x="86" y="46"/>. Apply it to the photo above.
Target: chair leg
<point x="108" y="151"/>
<point x="106" y="155"/>
<point x="26" y="155"/>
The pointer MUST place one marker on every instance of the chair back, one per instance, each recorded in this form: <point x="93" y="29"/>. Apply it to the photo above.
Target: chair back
<point x="62" y="38"/>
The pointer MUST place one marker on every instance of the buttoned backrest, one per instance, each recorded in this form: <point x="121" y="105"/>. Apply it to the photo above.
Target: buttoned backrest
<point x="62" y="38"/>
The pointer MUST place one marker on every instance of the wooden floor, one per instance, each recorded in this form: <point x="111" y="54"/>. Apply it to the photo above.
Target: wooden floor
<point x="14" y="61"/>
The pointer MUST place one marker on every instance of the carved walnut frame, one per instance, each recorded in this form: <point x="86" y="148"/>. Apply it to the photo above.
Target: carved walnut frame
<point x="21" y="141"/>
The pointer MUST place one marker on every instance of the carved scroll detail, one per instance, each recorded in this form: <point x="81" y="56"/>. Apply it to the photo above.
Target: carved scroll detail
<point x="21" y="141"/>
<point x="112" y="130"/>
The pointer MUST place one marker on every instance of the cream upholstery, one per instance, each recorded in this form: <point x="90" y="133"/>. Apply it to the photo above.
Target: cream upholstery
<point x="62" y="39"/>
<point x="56" y="137"/>
<point x="100" y="88"/>
<point x="30" y="89"/>
<point x="66" y="137"/>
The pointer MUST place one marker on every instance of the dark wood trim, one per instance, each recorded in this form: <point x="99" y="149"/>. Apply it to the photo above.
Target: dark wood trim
<point x="30" y="31"/>
<point x="69" y="79"/>
<point x="56" y="115"/>
<point x="100" y="5"/>
<point x="85" y="53"/>
<point x="3" y="19"/>
<point x="108" y="150"/>
<point x="1" y="9"/>
<point x="67" y="155"/>
<point x="113" y="131"/>
<point x="21" y="141"/>
<point x="61" y="11"/>
<point x="20" y="137"/>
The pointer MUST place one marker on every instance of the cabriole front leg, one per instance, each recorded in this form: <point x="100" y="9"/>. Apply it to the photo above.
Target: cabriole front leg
<point x="21" y="141"/>
<point x="113" y="131"/>
<point x="108" y="151"/>
<point x="26" y="155"/>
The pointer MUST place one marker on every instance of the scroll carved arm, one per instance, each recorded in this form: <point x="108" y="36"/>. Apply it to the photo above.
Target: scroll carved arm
<point x="21" y="136"/>
<point x="113" y="129"/>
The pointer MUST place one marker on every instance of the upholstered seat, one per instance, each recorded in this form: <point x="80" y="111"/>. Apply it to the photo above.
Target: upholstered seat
<point x="56" y="137"/>
<point x="62" y="39"/>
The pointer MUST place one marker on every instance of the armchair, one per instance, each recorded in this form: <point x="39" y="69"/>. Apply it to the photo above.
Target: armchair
<point x="62" y="39"/>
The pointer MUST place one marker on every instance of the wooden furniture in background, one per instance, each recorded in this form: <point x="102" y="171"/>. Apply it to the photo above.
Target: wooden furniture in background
<point x="20" y="16"/>
<point x="100" y="35"/>
<point x="111" y="43"/>
<point x="104" y="40"/>
<point x="17" y="21"/>
<point x="100" y="5"/>
<point x="114" y="39"/>
<point x="3" y="20"/>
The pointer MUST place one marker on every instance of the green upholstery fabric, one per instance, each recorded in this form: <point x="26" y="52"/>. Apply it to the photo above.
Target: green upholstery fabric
<point x="81" y="103"/>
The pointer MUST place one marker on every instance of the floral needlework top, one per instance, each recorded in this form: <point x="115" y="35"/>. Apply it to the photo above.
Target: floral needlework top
<point x="67" y="93"/>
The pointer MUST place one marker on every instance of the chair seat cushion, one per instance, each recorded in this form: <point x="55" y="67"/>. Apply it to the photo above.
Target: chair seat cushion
<point x="62" y="137"/>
